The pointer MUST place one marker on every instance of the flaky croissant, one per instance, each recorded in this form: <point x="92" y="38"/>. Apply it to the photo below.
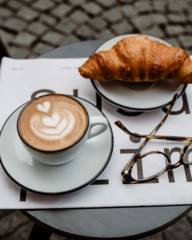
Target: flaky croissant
<point x="139" y="59"/>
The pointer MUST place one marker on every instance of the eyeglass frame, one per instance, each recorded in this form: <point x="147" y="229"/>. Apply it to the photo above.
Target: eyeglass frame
<point x="127" y="170"/>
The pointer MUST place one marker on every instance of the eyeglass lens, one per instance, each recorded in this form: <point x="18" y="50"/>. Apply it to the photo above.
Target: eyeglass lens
<point x="154" y="164"/>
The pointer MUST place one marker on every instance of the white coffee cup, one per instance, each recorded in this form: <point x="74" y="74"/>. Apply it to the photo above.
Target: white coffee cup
<point x="96" y="125"/>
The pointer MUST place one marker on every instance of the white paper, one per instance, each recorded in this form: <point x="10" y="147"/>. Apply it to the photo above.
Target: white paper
<point x="20" y="78"/>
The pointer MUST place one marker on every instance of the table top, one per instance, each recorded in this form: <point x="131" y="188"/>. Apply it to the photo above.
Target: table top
<point x="105" y="222"/>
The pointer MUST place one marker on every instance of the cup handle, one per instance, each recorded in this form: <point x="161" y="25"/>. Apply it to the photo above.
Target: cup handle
<point x="41" y="92"/>
<point x="101" y="124"/>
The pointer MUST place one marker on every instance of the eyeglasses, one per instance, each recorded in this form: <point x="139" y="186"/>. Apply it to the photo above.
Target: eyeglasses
<point x="156" y="156"/>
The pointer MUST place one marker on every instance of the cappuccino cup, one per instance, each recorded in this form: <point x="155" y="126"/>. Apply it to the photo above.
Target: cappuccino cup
<point x="54" y="127"/>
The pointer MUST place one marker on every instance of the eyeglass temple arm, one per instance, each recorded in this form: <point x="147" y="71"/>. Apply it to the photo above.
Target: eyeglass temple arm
<point x="151" y="136"/>
<point x="125" y="170"/>
<point x="122" y="126"/>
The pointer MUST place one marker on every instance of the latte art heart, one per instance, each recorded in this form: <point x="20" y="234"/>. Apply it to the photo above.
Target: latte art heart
<point x="53" y="127"/>
<point x="52" y="122"/>
<point x="43" y="107"/>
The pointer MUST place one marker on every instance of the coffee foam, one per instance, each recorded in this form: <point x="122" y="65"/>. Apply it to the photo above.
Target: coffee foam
<point x="52" y="122"/>
<point x="53" y="127"/>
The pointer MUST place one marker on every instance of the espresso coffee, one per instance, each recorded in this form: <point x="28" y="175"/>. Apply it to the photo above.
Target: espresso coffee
<point x="52" y="122"/>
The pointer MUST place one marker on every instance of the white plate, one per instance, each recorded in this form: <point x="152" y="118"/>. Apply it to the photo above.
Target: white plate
<point x="41" y="178"/>
<point x="136" y="97"/>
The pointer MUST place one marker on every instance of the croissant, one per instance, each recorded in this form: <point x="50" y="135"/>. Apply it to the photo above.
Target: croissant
<point x="139" y="59"/>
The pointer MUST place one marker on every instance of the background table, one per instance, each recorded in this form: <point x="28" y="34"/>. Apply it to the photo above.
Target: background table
<point x="104" y="222"/>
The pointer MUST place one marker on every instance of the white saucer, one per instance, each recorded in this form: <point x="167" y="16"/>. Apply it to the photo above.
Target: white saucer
<point x="41" y="178"/>
<point x="142" y="97"/>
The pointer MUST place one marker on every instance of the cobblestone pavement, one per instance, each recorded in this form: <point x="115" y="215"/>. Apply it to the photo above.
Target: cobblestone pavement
<point x="29" y="28"/>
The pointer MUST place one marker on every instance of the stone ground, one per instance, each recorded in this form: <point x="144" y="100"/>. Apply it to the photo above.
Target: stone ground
<point x="29" y="28"/>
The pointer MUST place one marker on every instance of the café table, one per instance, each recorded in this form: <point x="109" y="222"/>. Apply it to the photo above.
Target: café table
<point x="103" y="223"/>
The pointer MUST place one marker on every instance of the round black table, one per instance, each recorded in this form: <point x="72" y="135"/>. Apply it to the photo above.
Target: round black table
<point x="130" y="223"/>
